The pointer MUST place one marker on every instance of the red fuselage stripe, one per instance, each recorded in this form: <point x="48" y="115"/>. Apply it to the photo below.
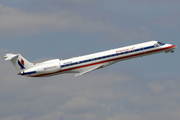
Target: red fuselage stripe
<point x="120" y="58"/>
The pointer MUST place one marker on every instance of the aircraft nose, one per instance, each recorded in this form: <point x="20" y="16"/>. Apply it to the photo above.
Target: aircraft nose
<point x="174" y="46"/>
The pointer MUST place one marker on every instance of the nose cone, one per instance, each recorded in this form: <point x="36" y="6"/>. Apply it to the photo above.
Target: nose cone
<point x="174" y="46"/>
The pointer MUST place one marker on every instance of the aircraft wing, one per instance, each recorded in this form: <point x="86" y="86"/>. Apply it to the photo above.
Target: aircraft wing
<point x="88" y="69"/>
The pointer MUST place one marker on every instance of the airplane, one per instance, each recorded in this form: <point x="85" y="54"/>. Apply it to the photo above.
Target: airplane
<point x="87" y="63"/>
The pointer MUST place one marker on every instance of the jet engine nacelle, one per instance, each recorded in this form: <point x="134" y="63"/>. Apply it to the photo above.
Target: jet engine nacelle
<point x="49" y="68"/>
<point x="42" y="69"/>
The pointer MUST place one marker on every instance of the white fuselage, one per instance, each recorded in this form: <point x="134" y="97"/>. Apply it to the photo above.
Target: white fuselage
<point x="96" y="60"/>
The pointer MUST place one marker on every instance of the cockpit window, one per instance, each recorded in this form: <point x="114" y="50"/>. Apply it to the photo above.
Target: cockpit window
<point x="160" y="43"/>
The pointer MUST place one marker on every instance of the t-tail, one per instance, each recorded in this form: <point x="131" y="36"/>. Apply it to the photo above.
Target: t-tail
<point x="19" y="62"/>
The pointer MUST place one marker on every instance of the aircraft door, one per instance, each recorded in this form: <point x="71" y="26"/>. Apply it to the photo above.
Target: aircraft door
<point x="142" y="52"/>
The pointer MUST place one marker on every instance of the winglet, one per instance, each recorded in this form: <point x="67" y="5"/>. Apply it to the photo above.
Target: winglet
<point x="10" y="56"/>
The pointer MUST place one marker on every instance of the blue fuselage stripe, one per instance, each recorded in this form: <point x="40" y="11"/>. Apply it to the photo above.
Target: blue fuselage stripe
<point x="143" y="48"/>
<point x="28" y="73"/>
<point x="113" y="59"/>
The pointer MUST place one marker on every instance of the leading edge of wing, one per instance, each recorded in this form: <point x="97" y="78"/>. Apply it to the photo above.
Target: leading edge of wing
<point x="88" y="69"/>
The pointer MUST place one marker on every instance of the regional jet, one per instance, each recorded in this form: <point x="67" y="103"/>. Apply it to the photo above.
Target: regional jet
<point x="87" y="63"/>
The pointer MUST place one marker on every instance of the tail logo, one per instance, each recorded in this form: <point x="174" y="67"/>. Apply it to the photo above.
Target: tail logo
<point x="22" y="61"/>
<point x="21" y="64"/>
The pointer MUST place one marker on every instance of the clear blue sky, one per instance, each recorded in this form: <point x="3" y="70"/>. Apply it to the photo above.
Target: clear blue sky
<point x="143" y="88"/>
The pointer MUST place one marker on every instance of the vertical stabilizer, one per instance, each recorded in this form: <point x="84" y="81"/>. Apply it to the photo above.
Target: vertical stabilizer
<point x="19" y="62"/>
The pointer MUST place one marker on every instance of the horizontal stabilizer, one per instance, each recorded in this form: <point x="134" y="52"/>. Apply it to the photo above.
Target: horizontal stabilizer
<point x="10" y="56"/>
<point x="88" y="69"/>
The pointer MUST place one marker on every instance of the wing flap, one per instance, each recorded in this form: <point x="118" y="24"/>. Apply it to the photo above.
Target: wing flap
<point x="89" y="69"/>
